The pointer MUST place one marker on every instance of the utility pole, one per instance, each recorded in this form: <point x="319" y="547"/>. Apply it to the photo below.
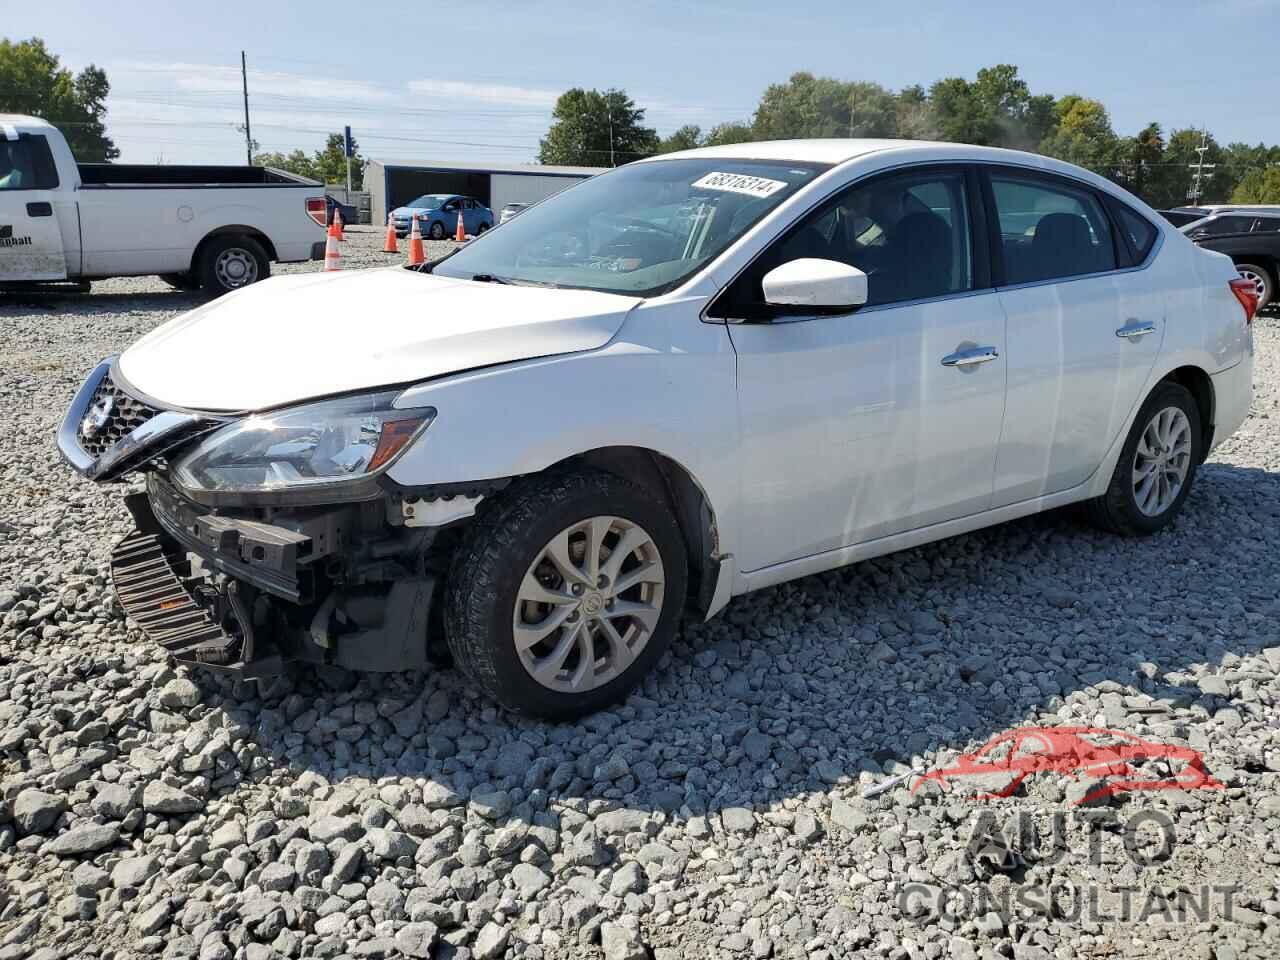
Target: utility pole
<point x="609" y="112"/>
<point x="244" y="83"/>
<point x="1200" y="167"/>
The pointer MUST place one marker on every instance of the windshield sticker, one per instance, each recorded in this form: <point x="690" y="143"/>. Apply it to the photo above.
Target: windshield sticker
<point x="740" y="183"/>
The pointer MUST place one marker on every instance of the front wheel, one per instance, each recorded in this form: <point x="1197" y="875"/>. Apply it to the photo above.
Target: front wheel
<point x="1156" y="467"/>
<point x="229" y="263"/>
<point x="437" y="231"/>
<point x="1261" y="279"/>
<point x="565" y="592"/>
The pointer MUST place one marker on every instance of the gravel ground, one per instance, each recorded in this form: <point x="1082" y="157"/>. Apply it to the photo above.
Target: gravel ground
<point x="719" y="813"/>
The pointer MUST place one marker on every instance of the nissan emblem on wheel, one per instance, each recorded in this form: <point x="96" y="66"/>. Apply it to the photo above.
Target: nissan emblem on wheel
<point x="775" y="360"/>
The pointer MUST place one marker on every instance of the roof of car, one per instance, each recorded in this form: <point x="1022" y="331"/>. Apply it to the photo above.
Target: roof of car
<point x="837" y="151"/>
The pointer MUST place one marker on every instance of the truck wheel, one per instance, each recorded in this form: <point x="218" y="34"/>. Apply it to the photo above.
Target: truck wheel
<point x="1261" y="278"/>
<point x="437" y="231"/>
<point x="229" y="263"/>
<point x="181" y="281"/>
<point x="565" y="592"/>
<point x="1156" y="467"/>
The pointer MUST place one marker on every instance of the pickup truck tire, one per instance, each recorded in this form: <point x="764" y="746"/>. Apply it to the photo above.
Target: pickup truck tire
<point x="231" y="262"/>
<point x="516" y="549"/>
<point x="181" y="281"/>
<point x="1263" y="278"/>
<point x="1165" y="436"/>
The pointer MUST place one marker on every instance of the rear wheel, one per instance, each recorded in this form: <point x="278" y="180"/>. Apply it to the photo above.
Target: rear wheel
<point x="1156" y="467"/>
<point x="229" y="263"/>
<point x="565" y="593"/>
<point x="1262" y="280"/>
<point x="482" y="228"/>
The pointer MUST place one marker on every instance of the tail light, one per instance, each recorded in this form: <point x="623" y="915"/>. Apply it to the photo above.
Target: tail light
<point x="316" y="210"/>
<point x="1247" y="293"/>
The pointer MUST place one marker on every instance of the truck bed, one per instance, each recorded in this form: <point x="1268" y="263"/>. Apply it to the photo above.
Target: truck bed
<point x="142" y="175"/>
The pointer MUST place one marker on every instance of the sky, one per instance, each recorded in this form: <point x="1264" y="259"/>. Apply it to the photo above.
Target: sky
<point x="477" y="80"/>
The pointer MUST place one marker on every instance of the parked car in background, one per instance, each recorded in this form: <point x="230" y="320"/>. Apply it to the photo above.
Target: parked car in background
<point x="510" y="210"/>
<point x="1180" y="218"/>
<point x="350" y="214"/>
<point x="437" y="215"/>
<point x="217" y="227"/>
<point x="688" y="378"/>
<point x="1251" y="240"/>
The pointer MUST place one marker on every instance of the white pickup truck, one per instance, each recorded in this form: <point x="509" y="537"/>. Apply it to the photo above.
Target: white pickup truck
<point x="217" y="227"/>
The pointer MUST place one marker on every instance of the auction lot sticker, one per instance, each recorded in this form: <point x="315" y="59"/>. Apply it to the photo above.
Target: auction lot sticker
<point x="740" y="183"/>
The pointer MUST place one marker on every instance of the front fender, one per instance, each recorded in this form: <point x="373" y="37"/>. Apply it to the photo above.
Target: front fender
<point x="522" y="418"/>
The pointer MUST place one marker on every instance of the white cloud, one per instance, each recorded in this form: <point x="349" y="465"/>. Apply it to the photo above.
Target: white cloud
<point x="491" y="92"/>
<point x="222" y="78"/>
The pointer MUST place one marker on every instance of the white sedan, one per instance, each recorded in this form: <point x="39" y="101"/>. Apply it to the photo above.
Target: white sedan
<point x="683" y="380"/>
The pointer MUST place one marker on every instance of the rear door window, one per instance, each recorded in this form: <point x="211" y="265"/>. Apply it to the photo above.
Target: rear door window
<point x="1267" y="225"/>
<point x="1050" y="230"/>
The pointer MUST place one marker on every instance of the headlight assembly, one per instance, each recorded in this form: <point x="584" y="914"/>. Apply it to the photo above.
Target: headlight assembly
<point x="318" y="445"/>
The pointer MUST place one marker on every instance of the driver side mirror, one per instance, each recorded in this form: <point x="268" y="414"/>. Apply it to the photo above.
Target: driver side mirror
<point x="810" y="285"/>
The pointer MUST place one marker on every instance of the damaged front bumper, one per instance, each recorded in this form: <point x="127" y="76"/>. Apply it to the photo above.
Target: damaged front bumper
<point x="322" y="585"/>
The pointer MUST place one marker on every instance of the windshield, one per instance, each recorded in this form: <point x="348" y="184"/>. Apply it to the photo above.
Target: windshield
<point x="639" y="230"/>
<point x="427" y="202"/>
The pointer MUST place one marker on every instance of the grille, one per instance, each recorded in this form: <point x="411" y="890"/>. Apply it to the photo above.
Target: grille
<point x="126" y="414"/>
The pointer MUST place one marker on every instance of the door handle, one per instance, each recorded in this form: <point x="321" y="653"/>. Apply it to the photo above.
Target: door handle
<point x="41" y="208"/>
<point x="1135" y="329"/>
<point x="969" y="357"/>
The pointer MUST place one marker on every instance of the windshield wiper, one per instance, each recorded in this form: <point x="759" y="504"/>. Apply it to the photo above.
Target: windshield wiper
<point x="489" y="278"/>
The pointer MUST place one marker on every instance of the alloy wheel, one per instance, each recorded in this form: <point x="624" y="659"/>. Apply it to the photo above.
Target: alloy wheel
<point x="588" y="604"/>
<point x="1162" y="461"/>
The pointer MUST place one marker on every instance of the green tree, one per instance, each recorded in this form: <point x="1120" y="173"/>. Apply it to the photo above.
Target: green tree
<point x="331" y="162"/>
<point x="913" y="116"/>
<point x="686" y="138"/>
<point x="732" y="132"/>
<point x="328" y="165"/>
<point x="590" y="128"/>
<point x="1180" y="154"/>
<point x="33" y="82"/>
<point x="1083" y="136"/>
<point x="809" y="106"/>
<point x="294" y="162"/>
<point x="959" y="114"/>
<point x="1144" y="169"/>
<point x="1258" y="186"/>
<point x="1010" y="114"/>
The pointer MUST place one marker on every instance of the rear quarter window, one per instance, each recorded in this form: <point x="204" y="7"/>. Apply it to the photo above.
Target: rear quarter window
<point x="1137" y="229"/>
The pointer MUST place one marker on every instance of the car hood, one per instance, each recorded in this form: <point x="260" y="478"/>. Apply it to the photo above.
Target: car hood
<point x="294" y="338"/>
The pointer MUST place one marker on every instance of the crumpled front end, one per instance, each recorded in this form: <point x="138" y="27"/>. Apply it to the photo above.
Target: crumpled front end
<point x="245" y="587"/>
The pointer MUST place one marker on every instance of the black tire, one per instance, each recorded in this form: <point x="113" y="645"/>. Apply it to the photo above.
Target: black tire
<point x="503" y="541"/>
<point x="181" y="281"/>
<point x="482" y="228"/>
<point x="218" y="281"/>
<point x="437" y="230"/>
<point x="1265" y="277"/>
<point x="1117" y="510"/>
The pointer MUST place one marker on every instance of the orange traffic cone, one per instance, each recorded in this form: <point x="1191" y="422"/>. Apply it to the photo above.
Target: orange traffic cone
<point x="416" y="256"/>
<point x="461" y="234"/>
<point x="332" y="258"/>
<point x="337" y="223"/>
<point x="390" y="245"/>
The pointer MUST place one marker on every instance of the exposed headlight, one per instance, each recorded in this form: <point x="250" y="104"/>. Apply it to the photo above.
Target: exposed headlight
<point x="330" y="442"/>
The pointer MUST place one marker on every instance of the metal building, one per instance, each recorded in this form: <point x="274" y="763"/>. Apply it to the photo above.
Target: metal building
<point x="393" y="184"/>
